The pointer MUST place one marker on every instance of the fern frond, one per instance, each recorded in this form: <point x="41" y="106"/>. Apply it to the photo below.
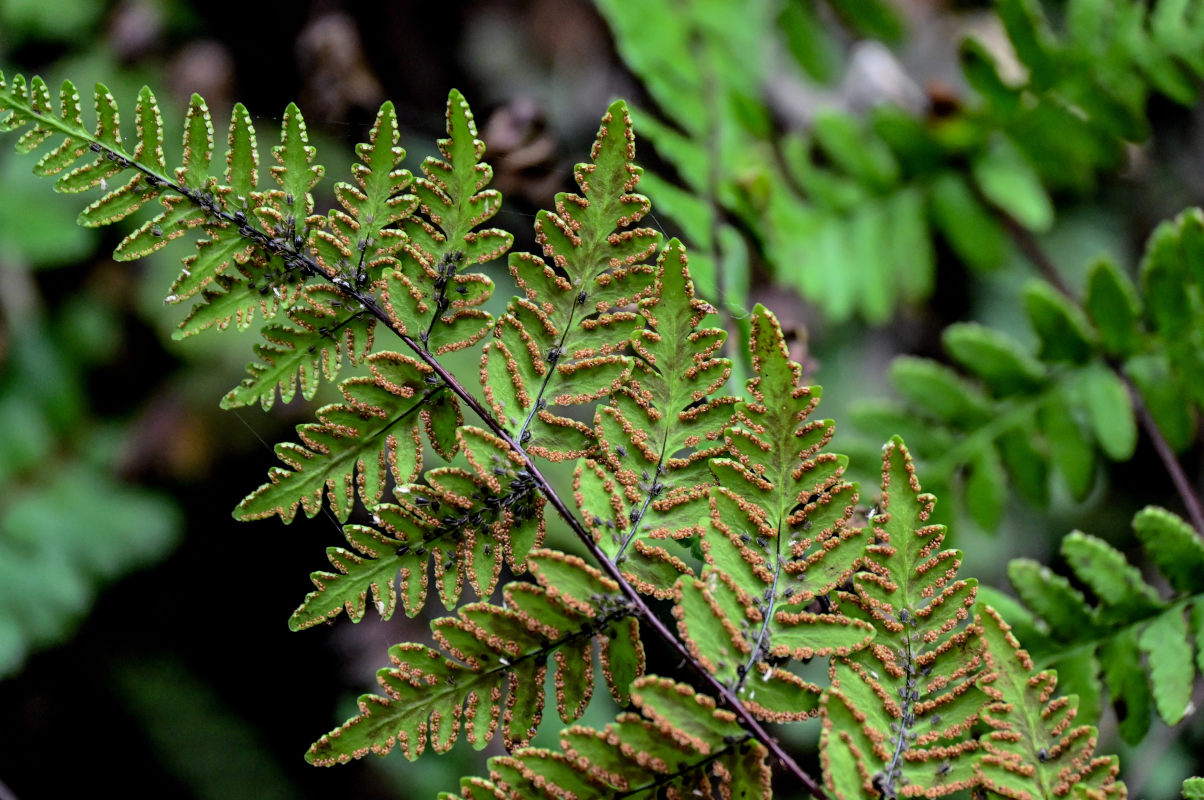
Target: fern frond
<point x="1018" y="417"/>
<point x="681" y="746"/>
<point x="1100" y="70"/>
<point x="777" y="542"/>
<point x="1100" y="644"/>
<point x="899" y="712"/>
<point x="1033" y="751"/>
<point x="463" y="522"/>
<point x="358" y="444"/>
<point x="561" y="343"/>
<point x="647" y="482"/>
<point x="487" y="651"/>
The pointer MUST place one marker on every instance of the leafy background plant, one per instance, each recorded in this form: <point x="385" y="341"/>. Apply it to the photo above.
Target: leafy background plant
<point x="960" y="156"/>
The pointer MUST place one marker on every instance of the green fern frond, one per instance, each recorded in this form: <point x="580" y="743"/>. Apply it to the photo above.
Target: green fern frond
<point x="27" y="104"/>
<point x="1032" y="751"/>
<point x="898" y="716"/>
<point x="230" y="276"/>
<point x="465" y="523"/>
<point x="376" y="236"/>
<point x="1101" y="70"/>
<point x="647" y="481"/>
<point x="487" y="651"/>
<point x="778" y="541"/>
<point x="429" y="297"/>
<point x="1016" y="417"/>
<point x="681" y="746"/>
<point x="1100" y="644"/>
<point x="561" y="343"/>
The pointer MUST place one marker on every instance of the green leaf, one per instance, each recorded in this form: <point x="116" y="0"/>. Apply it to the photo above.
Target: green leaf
<point x="998" y="360"/>
<point x="371" y="568"/>
<point x="1070" y="447"/>
<point x="809" y="41"/>
<point x="985" y="487"/>
<point x="980" y="71"/>
<point x="1174" y="546"/>
<point x="354" y="447"/>
<point x="294" y="170"/>
<point x="706" y="748"/>
<point x="1165" y="398"/>
<point x="778" y="536"/>
<point x="1051" y="597"/>
<point x="974" y="235"/>
<point x="574" y="332"/>
<point x="864" y="158"/>
<point x="193" y="171"/>
<point x="939" y="391"/>
<point x="1033" y="743"/>
<point x="1114" y="307"/>
<point x="483" y="649"/>
<point x="666" y="422"/>
<point x="1007" y="179"/>
<point x="1122" y="592"/>
<point x="1110" y="411"/>
<point x="319" y="335"/>
<point x="1027" y="466"/>
<point x="875" y="19"/>
<point x="1172" y="671"/>
<point x="908" y="590"/>
<point x="1060" y="325"/>
<point x="1193" y="789"/>
<point x="1029" y="33"/>
<point x="1127" y="683"/>
<point x="242" y="156"/>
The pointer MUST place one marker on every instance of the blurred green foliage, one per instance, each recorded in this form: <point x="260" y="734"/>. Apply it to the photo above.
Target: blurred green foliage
<point x="69" y="524"/>
<point x="845" y="195"/>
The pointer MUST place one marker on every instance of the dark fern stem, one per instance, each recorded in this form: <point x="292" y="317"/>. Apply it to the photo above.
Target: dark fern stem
<point x="446" y="269"/>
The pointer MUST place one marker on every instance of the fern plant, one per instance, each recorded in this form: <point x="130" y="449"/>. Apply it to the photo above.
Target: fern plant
<point x="730" y="509"/>
<point x="1119" y="359"/>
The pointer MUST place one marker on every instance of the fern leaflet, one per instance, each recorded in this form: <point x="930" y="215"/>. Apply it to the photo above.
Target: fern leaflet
<point x="560" y="344"/>
<point x="898" y="715"/>
<point x="681" y="746"/>
<point x="1021" y="417"/>
<point x="648" y="479"/>
<point x="777" y="541"/>
<point x="1032" y="750"/>
<point x="464" y="522"/>
<point x="487" y="648"/>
